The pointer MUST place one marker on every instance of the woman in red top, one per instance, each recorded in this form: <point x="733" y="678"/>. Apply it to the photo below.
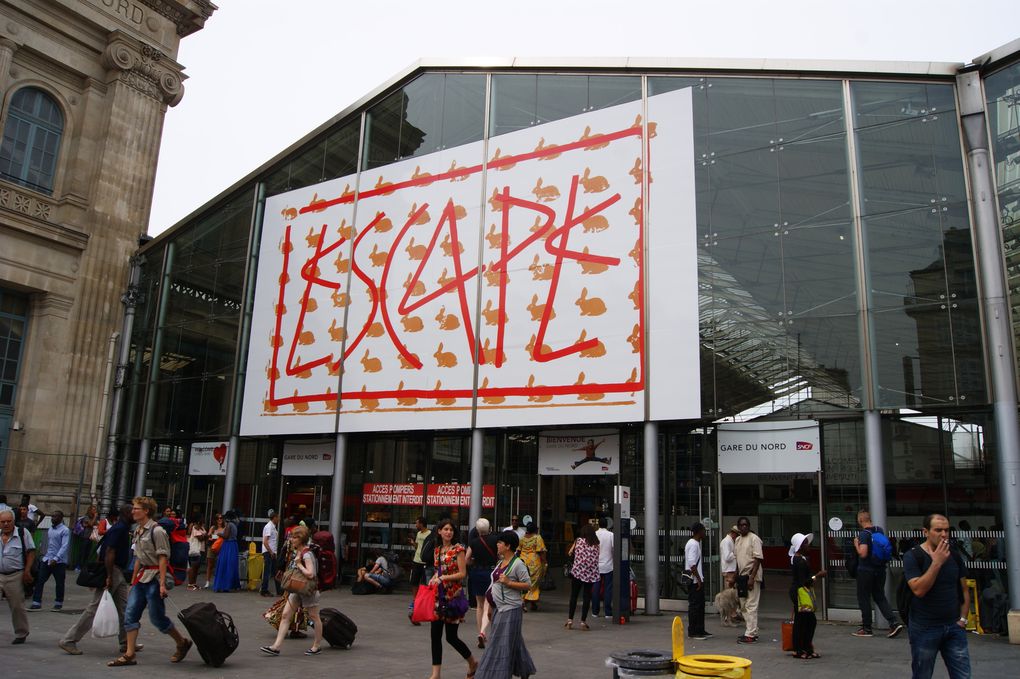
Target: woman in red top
<point x="451" y="569"/>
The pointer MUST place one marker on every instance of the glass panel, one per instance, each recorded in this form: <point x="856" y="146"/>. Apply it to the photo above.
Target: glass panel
<point x="520" y="101"/>
<point x="31" y="139"/>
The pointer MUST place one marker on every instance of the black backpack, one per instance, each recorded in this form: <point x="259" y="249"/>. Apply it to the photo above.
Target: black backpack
<point x="905" y="595"/>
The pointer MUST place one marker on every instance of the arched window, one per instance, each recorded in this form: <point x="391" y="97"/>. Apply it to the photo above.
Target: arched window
<point x="28" y="155"/>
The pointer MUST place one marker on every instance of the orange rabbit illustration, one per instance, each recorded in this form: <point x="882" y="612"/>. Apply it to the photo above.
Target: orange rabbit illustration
<point x="275" y="341"/>
<point x="375" y="330"/>
<point x="289" y="213"/>
<point x="448" y="246"/>
<point x="493" y="275"/>
<point x="317" y="204"/>
<point x="406" y="364"/>
<point x="537" y="226"/>
<point x="337" y="334"/>
<point x="537" y="310"/>
<point x="368" y="403"/>
<point x="545" y="194"/>
<point x="635" y="211"/>
<point x="415" y="253"/>
<point x="418" y="174"/>
<point x="490" y="354"/>
<point x="444" y="278"/>
<point x="595" y="223"/>
<point x="541" y="272"/>
<point x="544" y="349"/>
<point x="280" y="309"/>
<point x="588" y="135"/>
<point x="651" y="127"/>
<point x="635" y="253"/>
<point x="495" y="239"/>
<point x="458" y="178"/>
<point x="495" y="203"/>
<point x="597" y="351"/>
<point x="284" y="278"/>
<point x="636" y="172"/>
<point x="334" y="368"/>
<point x="384" y="224"/>
<point x="306" y="338"/>
<point x="596" y="184"/>
<point x="372" y="365"/>
<point x="459" y="211"/>
<point x="378" y="257"/>
<point x="271" y="372"/>
<point x="445" y="359"/>
<point x="412" y="323"/>
<point x="381" y="184"/>
<point x="586" y="397"/>
<point x="300" y="406"/>
<point x="286" y="246"/>
<point x="303" y="374"/>
<point x="313" y="239"/>
<point x="536" y="398"/>
<point x="330" y="401"/>
<point x="591" y="267"/>
<point x="310" y="304"/>
<point x="340" y="299"/>
<point x="419" y="288"/>
<point x="267" y="404"/>
<point x="405" y="400"/>
<point x="542" y="147"/>
<point x="423" y="218"/>
<point x="500" y="161"/>
<point x="447" y="321"/>
<point x="345" y="230"/>
<point x="632" y="379"/>
<point x="491" y="400"/>
<point x="590" y="306"/>
<point x="635" y="295"/>
<point x="443" y="400"/>
<point x="635" y="339"/>
<point x="492" y="315"/>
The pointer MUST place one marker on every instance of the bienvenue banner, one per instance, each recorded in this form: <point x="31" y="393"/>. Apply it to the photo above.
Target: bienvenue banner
<point x="579" y="453"/>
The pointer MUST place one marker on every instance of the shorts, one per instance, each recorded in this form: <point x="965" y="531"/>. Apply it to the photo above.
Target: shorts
<point x="304" y="600"/>
<point x="383" y="580"/>
<point x="479" y="580"/>
<point x="195" y="560"/>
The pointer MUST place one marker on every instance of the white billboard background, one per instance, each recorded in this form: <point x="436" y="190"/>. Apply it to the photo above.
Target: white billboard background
<point x="308" y="458"/>
<point x="293" y="375"/>
<point x="786" y="447"/>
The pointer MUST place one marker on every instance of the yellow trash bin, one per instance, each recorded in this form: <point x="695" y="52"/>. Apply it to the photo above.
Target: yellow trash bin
<point x="700" y="666"/>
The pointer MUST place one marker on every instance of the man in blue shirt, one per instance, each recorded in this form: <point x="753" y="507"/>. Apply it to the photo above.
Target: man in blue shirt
<point x="54" y="563"/>
<point x="938" y="611"/>
<point x="871" y="579"/>
<point x="115" y="554"/>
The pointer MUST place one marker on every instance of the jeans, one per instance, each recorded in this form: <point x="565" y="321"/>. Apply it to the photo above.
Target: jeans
<point x="871" y="586"/>
<point x="603" y="590"/>
<point x="927" y="642"/>
<point x="146" y="594"/>
<point x="268" y="566"/>
<point x="696" y="610"/>
<point x="58" y="571"/>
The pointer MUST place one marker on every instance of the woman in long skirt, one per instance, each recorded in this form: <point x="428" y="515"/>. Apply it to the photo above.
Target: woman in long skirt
<point x="227" y="576"/>
<point x="507" y="655"/>
<point x="533" y="554"/>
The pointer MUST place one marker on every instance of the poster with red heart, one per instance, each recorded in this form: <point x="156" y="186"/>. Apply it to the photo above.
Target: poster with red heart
<point x="208" y="459"/>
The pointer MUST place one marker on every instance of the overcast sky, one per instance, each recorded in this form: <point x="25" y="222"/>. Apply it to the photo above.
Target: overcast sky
<point x="264" y="73"/>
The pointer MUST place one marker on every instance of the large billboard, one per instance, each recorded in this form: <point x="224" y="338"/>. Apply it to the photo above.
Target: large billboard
<point x="546" y="276"/>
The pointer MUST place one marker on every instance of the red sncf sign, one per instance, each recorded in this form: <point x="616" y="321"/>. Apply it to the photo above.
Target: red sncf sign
<point x="805" y="445"/>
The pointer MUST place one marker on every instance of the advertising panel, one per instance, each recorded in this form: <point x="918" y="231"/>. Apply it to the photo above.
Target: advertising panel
<point x="769" y="447"/>
<point x="579" y="453"/>
<point x="308" y="458"/>
<point x="439" y="494"/>
<point x="399" y="299"/>
<point x="208" y="459"/>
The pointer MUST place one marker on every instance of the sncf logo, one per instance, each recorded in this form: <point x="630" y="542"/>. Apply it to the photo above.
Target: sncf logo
<point x="805" y="445"/>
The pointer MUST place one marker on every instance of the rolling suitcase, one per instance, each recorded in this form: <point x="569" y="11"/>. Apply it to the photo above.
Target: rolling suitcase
<point x="212" y="631"/>
<point x="337" y="628"/>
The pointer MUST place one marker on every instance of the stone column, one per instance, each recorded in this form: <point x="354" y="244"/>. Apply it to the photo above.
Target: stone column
<point x="7" y="49"/>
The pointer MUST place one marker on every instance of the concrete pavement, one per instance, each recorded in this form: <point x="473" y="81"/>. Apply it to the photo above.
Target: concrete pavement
<point x="388" y="646"/>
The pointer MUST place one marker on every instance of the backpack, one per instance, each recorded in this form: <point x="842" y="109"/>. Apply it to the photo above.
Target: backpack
<point x="428" y="546"/>
<point x="881" y="549"/>
<point x="393" y="568"/>
<point x="324" y="549"/>
<point x="905" y="595"/>
<point x="178" y="559"/>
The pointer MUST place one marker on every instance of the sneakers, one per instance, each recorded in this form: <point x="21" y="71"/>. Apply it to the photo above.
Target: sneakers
<point x="896" y="629"/>
<point x="747" y="640"/>
<point x="35" y="607"/>
<point x="863" y="633"/>
<point x="69" y="648"/>
<point x="57" y="606"/>
<point x="702" y="636"/>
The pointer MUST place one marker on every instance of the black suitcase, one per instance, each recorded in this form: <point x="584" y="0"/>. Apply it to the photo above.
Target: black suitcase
<point x="212" y="631"/>
<point x="337" y="628"/>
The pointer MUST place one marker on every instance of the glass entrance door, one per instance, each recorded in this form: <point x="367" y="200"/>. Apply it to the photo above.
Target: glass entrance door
<point x="307" y="497"/>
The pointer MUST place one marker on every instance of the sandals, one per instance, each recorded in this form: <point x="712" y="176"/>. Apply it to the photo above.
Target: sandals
<point x="192" y="588"/>
<point x="269" y="650"/>
<point x="569" y="624"/>
<point x="182" y="650"/>
<point x="481" y="640"/>
<point x="123" y="661"/>
<point x="584" y="627"/>
<point x="313" y="651"/>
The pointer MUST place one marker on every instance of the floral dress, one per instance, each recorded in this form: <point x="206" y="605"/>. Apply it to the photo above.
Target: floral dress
<point x="586" y="561"/>
<point x="447" y="561"/>
<point x="531" y="549"/>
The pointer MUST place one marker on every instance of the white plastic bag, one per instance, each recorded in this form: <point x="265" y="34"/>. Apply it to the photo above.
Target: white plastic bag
<point x="106" y="623"/>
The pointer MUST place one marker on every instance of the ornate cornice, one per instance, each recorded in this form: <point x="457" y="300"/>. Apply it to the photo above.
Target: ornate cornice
<point x="186" y="19"/>
<point x="145" y="69"/>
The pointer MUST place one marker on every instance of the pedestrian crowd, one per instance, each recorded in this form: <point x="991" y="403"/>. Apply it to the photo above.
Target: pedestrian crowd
<point x="141" y="555"/>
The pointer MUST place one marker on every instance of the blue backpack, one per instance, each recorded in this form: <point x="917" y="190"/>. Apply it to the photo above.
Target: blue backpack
<point x="881" y="548"/>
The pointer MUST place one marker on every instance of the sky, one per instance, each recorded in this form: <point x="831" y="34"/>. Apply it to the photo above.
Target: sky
<point x="262" y="73"/>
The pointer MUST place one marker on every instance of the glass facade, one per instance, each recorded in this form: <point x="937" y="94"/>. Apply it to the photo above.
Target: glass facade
<point x="836" y="275"/>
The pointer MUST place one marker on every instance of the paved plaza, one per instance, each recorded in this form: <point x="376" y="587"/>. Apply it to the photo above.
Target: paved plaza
<point x="388" y="646"/>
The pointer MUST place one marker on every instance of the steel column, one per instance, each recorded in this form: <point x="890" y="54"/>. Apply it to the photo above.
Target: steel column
<point x="336" y="496"/>
<point x="651" y="463"/>
<point x="477" y="461"/>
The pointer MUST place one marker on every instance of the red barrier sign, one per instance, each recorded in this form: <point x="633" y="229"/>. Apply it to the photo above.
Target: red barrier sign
<point x="439" y="494"/>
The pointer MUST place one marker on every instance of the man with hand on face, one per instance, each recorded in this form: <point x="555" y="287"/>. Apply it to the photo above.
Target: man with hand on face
<point x="937" y="622"/>
<point x="54" y="562"/>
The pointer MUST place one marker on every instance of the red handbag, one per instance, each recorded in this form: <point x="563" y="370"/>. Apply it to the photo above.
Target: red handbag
<point x="425" y="604"/>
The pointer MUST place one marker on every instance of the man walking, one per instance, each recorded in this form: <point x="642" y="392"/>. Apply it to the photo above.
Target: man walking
<point x="873" y="553"/>
<point x="749" y="562"/>
<point x="938" y="611"/>
<point x="54" y="563"/>
<point x="17" y="552"/>
<point x="114" y="553"/>
<point x="148" y="583"/>
<point x="728" y="558"/>
<point x="696" y="590"/>
<point x="423" y="557"/>
<point x="270" y="538"/>
<point x="603" y="589"/>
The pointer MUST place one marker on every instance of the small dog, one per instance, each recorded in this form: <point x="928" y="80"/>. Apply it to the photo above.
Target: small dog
<point x="728" y="605"/>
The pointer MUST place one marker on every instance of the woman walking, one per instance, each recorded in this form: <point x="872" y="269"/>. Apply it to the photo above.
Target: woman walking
<point x="533" y="553"/>
<point x="303" y="562"/>
<point x="583" y="574"/>
<point x="451" y="568"/>
<point x="481" y="559"/>
<point x="215" y="533"/>
<point x="507" y="655"/>
<point x="227" y="576"/>
<point x="803" y="595"/>
<point x="196" y="549"/>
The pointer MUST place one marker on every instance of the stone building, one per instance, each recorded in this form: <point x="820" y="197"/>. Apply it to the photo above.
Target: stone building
<point x="84" y="86"/>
